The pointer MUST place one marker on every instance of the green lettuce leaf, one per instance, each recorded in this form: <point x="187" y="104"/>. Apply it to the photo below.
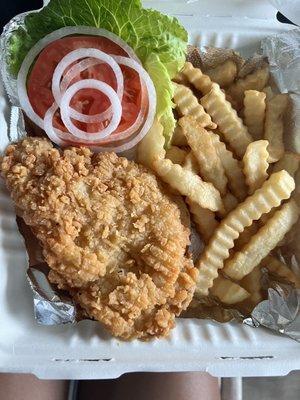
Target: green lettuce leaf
<point x="164" y="90"/>
<point x="158" y="40"/>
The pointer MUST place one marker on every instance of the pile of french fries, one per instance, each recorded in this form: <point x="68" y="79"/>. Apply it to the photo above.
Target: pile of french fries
<point x="228" y="160"/>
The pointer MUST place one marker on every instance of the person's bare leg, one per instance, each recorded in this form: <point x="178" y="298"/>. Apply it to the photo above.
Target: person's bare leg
<point x="167" y="386"/>
<point x="28" y="387"/>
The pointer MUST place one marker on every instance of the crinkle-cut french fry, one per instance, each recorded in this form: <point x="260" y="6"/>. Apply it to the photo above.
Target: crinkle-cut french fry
<point x="252" y="281"/>
<point x="289" y="161"/>
<point x="254" y="112"/>
<point x="181" y="78"/>
<point x="232" y="167"/>
<point x="277" y="188"/>
<point x="265" y="218"/>
<point x="227" y="291"/>
<point x="274" y="126"/>
<point x="152" y="145"/>
<point x="188" y="184"/>
<point x="187" y="104"/>
<point x="176" y="155"/>
<point x="196" y="77"/>
<point x="235" y="133"/>
<point x="277" y="267"/>
<point x="204" y="219"/>
<point x="257" y="80"/>
<point x="230" y="202"/>
<point x="223" y="74"/>
<point x="191" y="163"/>
<point x="246" y="235"/>
<point x="200" y="141"/>
<point x="256" y="164"/>
<point x="265" y="240"/>
<point x="289" y="237"/>
<point x="269" y="92"/>
<point x="178" y="138"/>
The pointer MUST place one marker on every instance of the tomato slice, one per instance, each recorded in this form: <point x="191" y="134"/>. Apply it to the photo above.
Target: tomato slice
<point x="131" y="102"/>
<point x="86" y="101"/>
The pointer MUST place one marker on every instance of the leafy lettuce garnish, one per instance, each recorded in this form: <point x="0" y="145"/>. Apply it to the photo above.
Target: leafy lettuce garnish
<point x="158" y="40"/>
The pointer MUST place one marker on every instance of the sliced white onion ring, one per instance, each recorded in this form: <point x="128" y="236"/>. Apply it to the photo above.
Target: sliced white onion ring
<point x="88" y="62"/>
<point x="39" y="46"/>
<point x="118" y="148"/>
<point x="76" y="55"/>
<point x="51" y="132"/>
<point x="121" y="145"/>
<point x="102" y="87"/>
<point x="62" y="138"/>
<point x="75" y="70"/>
<point x="128" y="62"/>
<point x="147" y="125"/>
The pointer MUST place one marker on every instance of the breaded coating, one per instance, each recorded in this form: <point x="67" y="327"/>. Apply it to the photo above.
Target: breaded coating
<point x="110" y="232"/>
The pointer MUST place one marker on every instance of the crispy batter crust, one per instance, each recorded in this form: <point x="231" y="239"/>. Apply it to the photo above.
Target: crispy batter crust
<point x="110" y="234"/>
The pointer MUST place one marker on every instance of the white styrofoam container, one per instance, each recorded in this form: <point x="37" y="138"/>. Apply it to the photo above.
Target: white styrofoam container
<point x="85" y="350"/>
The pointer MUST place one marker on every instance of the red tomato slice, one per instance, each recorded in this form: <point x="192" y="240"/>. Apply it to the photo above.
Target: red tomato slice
<point x="86" y="101"/>
<point x="131" y="102"/>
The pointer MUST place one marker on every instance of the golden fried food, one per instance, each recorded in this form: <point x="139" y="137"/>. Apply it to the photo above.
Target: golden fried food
<point x="274" y="125"/>
<point x="178" y="138"/>
<point x="230" y="124"/>
<point x="256" y="164"/>
<point x="187" y="104"/>
<point x="201" y="143"/>
<point x="254" y="112"/>
<point x="257" y="80"/>
<point x="232" y="167"/>
<point x="228" y="292"/>
<point x="188" y="184"/>
<point x="176" y="155"/>
<point x="223" y="74"/>
<point x="111" y="235"/>
<point x="278" y="187"/>
<point x="263" y="242"/>
<point x="204" y="219"/>
<point x="252" y="283"/>
<point x="230" y="202"/>
<point x="196" y="77"/>
<point x="152" y="146"/>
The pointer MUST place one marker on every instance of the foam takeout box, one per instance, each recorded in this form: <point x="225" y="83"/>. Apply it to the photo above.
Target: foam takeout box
<point x="84" y="350"/>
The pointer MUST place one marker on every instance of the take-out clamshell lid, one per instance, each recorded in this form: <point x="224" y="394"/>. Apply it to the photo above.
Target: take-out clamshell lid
<point x="228" y="8"/>
<point x="84" y="351"/>
<point x="217" y="8"/>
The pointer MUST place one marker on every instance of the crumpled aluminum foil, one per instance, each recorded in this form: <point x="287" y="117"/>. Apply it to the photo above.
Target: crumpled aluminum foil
<point x="10" y="83"/>
<point x="50" y="306"/>
<point x="283" y="52"/>
<point x="281" y="311"/>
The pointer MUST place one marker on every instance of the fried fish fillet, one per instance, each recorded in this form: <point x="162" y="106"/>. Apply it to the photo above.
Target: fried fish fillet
<point x="111" y="234"/>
